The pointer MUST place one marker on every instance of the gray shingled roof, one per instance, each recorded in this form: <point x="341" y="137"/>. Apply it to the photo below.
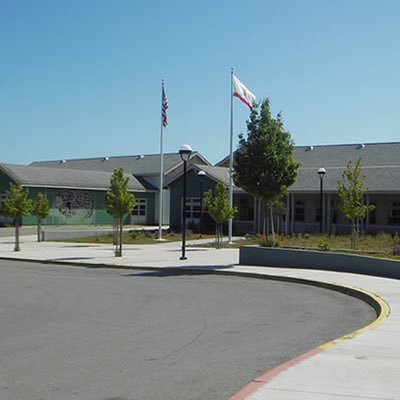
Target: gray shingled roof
<point x="380" y="164"/>
<point x="372" y="154"/>
<point x="139" y="164"/>
<point x="378" y="179"/>
<point x="31" y="176"/>
<point x="338" y="155"/>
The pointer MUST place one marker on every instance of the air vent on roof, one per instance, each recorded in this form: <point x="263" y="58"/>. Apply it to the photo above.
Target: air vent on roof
<point x="309" y="148"/>
<point x="140" y="157"/>
<point x="106" y="158"/>
<point x="63" y="162"/>
<point x="361" y="146"/>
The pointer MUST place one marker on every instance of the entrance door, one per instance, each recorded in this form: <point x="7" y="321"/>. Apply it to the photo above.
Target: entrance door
<point x="139" y="212"/>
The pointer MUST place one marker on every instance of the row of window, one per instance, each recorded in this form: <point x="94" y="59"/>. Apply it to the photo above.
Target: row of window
<point x="300" y="207"/>
<point x="192" y="209"/>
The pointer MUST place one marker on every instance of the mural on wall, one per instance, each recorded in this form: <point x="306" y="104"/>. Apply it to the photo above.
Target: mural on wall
<point x="70" y="201"/>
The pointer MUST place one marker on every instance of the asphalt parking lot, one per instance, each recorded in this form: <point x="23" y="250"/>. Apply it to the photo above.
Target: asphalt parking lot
<point x="72" y="332"/>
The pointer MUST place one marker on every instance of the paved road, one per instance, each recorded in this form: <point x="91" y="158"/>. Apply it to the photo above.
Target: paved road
<point x="101" y="334"/>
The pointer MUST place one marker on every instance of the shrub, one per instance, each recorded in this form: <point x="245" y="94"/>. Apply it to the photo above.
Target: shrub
<point x="269" y="241"/>
<point x="396" y="249"/>
<point x="136" y="235"/>
<point x="323" y="244"/>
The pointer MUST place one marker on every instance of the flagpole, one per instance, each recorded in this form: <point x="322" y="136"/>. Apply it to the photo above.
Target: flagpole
<point x="161" y="167"/>
<point x="231" y="164"/>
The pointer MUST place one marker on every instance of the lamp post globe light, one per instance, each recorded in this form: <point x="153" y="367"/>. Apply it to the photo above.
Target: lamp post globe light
<point x="184" y="151"/>
<point x="201" y="175"/>
<point x="321" y="173"/>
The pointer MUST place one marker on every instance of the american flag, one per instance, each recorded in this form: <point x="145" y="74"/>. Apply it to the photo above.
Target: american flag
<point x="164" y="106"/>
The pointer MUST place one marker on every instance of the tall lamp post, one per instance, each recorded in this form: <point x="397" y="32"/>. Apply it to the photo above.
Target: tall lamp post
<point x="321" y="173"/>
<point x="184" y="151"/>
<point x="201" y="175"/>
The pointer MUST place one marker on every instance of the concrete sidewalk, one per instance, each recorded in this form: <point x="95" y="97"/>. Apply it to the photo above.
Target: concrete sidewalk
<point x="360" y="367"/>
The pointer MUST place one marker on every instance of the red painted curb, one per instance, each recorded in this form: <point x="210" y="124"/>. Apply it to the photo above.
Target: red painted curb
<point x="255" y="384"/>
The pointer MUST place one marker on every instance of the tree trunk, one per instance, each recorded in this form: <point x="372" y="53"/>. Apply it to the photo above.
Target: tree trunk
<point x="39" y="230"/>
<point x="17" y="247"/>
<point x="120" y="237"/>
<point x="264" y="223"/>
<point x="353" y="233"/>
<point x="271" y="209"/>
<point x="219" y="229"/>
<point x="357" y="233"/>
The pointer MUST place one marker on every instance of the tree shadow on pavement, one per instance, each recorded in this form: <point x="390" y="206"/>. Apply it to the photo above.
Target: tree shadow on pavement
<point x="174" y="271"/>
<point x="68" y="259"/>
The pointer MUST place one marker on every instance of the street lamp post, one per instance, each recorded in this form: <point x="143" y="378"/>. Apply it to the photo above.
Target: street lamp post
<point x="321" y="173"/>
<point x="184" y="151"/>
<point x="201" y="175"/>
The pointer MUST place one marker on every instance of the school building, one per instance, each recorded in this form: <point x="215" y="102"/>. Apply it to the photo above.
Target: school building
<point x="76" y="189"/>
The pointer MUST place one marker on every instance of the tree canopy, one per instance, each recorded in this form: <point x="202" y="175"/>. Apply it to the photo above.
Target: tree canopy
<point x="17" y="205"/>
<point x="351" y="191"/>
<point x="119" y="202"/>
<point x="263" y="163"/>
<point x="219" y="208"/>
<point x="41" y="210"/>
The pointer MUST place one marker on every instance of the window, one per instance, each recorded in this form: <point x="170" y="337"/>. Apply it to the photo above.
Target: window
<point x="299" y="210"/>
<point x="140" y="209"/>
<point x="2" y="197"/>
<point x="192" y="208"/>
<point x="394" y="212"/>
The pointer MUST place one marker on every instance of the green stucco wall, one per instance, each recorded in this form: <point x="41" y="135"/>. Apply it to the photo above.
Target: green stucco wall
<point x="77" y="207"/>
<point x="80" y="207"/>
<point x="72" y="207"/>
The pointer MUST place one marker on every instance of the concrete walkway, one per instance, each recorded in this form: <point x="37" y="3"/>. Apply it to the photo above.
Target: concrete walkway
<point x="360" y="367"/>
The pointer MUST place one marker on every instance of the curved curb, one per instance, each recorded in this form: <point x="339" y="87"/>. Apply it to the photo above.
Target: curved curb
<point x="382" y="309"/>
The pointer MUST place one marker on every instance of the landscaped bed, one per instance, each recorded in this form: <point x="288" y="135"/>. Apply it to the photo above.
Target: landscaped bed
<point x="381" y="245"/>
<point x="141" y="237"/>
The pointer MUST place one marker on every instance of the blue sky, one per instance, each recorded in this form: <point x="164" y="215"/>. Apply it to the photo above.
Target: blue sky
<point x="82" y="78"/>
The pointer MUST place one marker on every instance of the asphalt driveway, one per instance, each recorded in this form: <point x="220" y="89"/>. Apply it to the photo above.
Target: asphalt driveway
<point x="97" y="334"/>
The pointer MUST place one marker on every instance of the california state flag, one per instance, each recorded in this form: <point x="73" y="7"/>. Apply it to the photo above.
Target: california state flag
<point x="242" y="93"/>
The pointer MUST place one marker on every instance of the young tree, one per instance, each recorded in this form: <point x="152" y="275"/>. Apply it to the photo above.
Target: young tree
<point x="17" y="205"/>
<point x="118" y="203"/>
<point x="351" y="193"/>
<point x="41" y="210"/>
<point x="263" y="163"/>
<point x="219" y="209"/>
